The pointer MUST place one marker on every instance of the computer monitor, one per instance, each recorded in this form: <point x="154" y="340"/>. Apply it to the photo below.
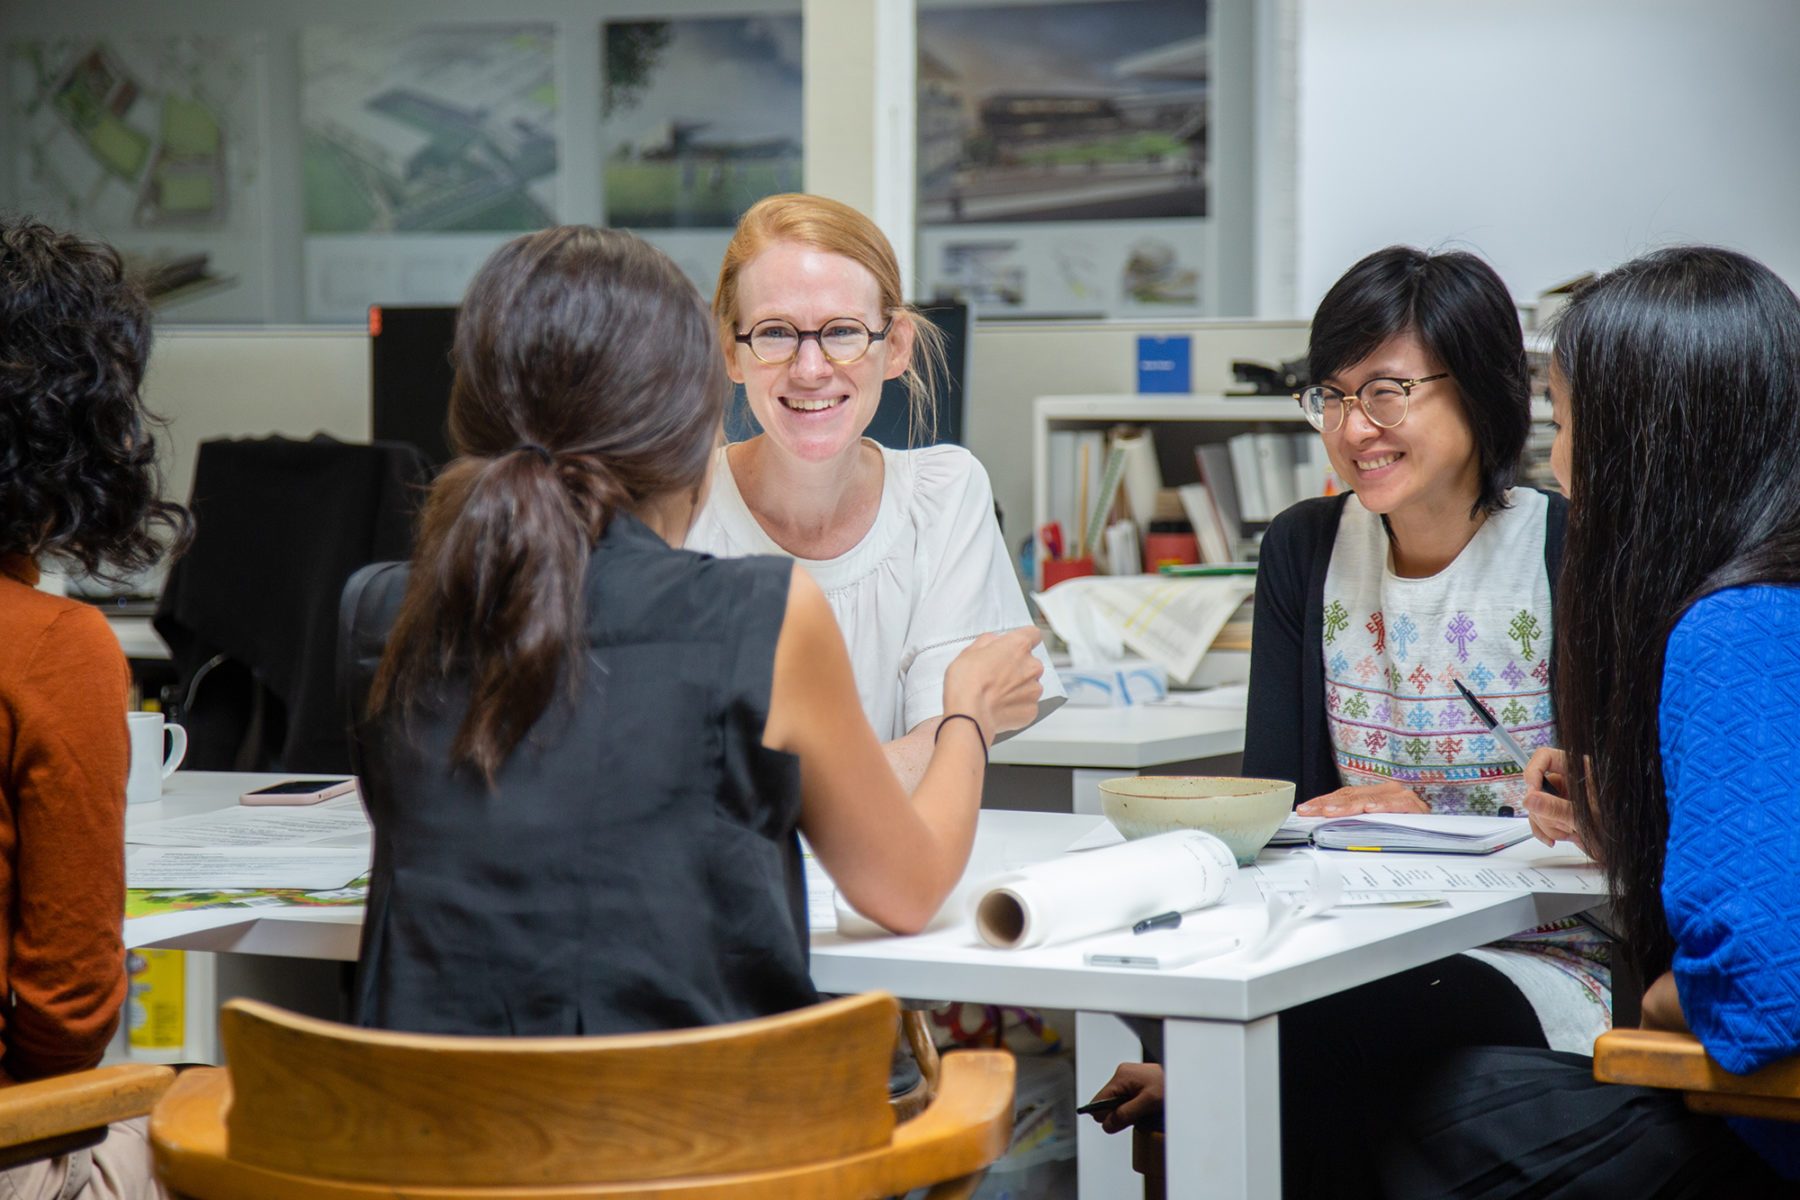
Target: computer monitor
<point x="410" y="374"/>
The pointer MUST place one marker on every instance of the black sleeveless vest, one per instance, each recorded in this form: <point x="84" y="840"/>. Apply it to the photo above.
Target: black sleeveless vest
<point x="635" y="867"/>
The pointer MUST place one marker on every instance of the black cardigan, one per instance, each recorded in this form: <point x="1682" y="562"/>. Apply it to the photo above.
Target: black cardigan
<point x="1286" y="735"/>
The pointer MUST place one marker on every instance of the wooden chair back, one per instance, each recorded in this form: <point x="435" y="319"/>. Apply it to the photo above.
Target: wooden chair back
<point x="47" y="1117"/>
<point x="1652" y="1058"/>
<point x="316" y="1109"/>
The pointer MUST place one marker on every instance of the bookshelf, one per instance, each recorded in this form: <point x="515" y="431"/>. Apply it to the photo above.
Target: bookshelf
<point x="1178" y="423"/>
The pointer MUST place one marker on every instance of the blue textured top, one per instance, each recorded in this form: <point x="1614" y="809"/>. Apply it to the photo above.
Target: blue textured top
<point x="1729" y="722"/>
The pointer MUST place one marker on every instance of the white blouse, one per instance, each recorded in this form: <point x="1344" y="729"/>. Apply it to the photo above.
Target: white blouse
<point x="930" y="576"/>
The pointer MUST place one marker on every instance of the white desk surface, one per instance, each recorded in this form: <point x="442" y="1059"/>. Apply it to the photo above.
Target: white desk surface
<point x="1128" y="738"/>
<point x="1218" y="1014"/>
<point x="1319" y="957"/>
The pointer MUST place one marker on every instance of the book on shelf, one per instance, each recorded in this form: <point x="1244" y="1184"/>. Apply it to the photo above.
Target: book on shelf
<point x="1413" y="833"/>
<point x="1065" y="485"/>
<point x="1214" y="463"/>
<point x="1246" y="470"/>
<point x="1275" y="463"/>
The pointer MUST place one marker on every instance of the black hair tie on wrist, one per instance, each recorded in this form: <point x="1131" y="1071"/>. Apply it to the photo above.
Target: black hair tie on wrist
<point x="536" y="449"/>
<point x="979" y="736"/>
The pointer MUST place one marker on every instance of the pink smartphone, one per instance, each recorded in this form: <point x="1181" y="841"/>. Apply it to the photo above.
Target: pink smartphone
<point x="299" y="791"/>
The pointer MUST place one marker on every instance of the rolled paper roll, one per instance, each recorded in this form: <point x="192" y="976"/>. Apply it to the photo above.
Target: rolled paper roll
<point x="1078" y="895"/>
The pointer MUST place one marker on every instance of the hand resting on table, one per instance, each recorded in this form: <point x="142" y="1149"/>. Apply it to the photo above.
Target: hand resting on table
<point x="1386" y="796"/>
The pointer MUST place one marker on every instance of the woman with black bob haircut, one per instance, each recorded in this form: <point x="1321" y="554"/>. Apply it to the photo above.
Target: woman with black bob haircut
<point x="1370" y="607"/>
<point x="1465" y="319"/>
<point x="78" y="487"/>
<point x="586" y="752"/>
<point x="1676" y="383"/>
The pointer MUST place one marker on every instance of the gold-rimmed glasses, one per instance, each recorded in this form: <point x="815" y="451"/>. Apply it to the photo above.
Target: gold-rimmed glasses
<point x="1384" y="402"/>
<point x="843" y="340"/>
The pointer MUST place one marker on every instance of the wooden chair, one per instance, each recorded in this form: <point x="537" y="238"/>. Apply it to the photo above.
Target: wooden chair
<point x="1651" y="1058"/>
<point x="64" y="1113"/>
<point x="915" y="1031"/>
<point x="793" y="1106"/>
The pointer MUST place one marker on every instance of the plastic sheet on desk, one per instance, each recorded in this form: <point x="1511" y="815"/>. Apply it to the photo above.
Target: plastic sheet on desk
<point x="1116" y="685"/>
<point x="1168" y="620"/>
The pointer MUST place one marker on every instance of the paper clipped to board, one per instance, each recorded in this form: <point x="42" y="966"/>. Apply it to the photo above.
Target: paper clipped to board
<point x="1078" y="895"/>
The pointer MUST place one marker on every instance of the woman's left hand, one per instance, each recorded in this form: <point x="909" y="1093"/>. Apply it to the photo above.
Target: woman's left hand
<point x="1662" y="1006"/>
<point x="1386" y="796"/>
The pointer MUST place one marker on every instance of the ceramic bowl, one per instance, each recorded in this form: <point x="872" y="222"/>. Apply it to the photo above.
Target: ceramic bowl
<point x="1242" y="813"/>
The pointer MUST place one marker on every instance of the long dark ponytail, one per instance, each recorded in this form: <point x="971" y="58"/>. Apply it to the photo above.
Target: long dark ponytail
<point x="586" y="383"/>
<point x="1683" y="370"/>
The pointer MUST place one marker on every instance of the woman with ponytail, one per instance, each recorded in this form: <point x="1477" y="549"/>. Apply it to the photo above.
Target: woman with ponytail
<point x="586" y="753"/>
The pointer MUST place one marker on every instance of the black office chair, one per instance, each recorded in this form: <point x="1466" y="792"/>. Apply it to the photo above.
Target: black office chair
<point x="250" y="611"/>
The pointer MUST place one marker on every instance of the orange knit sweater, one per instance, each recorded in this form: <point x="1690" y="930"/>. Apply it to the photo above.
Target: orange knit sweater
<point x="64" y="755"/>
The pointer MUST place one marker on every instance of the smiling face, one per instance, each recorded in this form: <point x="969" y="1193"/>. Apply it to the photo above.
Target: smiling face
<point x="1425" y="466"/>
<point x="810" y="407"/>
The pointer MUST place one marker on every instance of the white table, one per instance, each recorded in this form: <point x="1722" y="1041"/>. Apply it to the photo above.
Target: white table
<point x="1103" y="743"/>
<point x="1220" y="1015"/>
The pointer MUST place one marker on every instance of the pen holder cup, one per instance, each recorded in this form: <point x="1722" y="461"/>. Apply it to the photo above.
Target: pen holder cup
<point x="1242" y="813"/>
<point x="1058" y="569"/>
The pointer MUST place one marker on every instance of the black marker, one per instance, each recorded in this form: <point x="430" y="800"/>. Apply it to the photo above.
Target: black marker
<point x="1168" y="920"/>
<point x="1101" y="1106"/>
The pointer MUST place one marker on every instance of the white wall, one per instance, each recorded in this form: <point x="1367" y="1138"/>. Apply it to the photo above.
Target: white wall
<point x="1550" y="136"/>
<point x="210" y="382"/>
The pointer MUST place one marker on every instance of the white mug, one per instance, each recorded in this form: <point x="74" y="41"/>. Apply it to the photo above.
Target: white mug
<point x="150" y="765"/>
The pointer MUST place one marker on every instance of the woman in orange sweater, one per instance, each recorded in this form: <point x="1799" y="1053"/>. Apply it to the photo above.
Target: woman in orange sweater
<point x="78" y="484"/>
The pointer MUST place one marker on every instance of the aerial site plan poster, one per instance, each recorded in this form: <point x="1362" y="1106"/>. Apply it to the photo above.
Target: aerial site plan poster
<point x="700" y="119"/>
<point x="423" y="150"/>
<point x="1063" y="166"/>
<point x="155" y="144"/>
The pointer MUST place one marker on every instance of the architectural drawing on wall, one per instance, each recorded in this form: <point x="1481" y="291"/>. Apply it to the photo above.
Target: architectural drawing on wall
<point x="700" y="119"/>
<point x="987" y="274"/>
<point x="434" y="130"/>
<point x="152" y="143"/>
<point x="1076" y="134"/>
<point x="1155" y="274"/>
<point x="1059" y="112"/>
<point x="423" y="150"/>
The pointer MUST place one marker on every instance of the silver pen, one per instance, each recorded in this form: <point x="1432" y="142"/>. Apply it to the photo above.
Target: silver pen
<point x="1506" y="739"/>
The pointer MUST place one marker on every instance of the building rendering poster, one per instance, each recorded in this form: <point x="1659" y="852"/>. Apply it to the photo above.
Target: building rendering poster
<point x="700" y="119"/>
<point x="423" y="149"/>
<point x="1063" y="166"/>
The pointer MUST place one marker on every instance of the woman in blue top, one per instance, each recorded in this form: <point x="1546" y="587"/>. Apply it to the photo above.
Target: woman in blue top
<point x="1676" y="384"/>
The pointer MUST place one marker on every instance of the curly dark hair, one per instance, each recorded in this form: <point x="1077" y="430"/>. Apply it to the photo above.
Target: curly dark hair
<point x="78" y="475"/>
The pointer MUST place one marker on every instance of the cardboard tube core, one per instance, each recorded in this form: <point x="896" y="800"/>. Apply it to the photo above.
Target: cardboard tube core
<point x="1000" y="919"/>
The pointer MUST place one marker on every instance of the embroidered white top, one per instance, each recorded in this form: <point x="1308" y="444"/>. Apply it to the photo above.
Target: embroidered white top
<point x="930" y="576"/>
<point x="1394" y="647"/>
